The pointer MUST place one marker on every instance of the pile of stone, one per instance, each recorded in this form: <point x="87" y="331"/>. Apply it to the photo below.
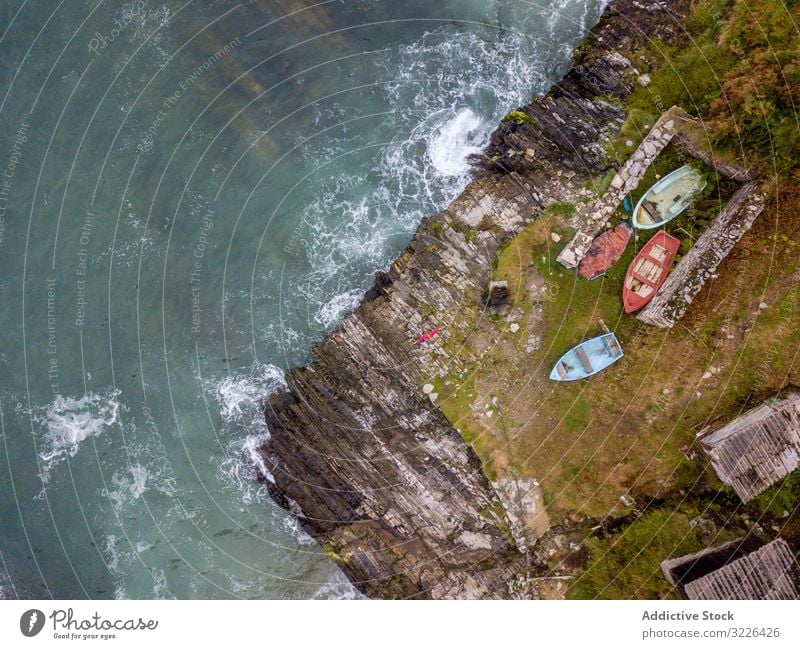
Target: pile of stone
<point x="592" y="218"/>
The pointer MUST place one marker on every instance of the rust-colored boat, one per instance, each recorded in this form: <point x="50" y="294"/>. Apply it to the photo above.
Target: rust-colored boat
<point x="649" y="270"/>
<point x="605" y="251"/>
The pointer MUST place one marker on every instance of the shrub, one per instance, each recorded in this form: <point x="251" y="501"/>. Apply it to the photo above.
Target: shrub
<point x="518" y="117"/>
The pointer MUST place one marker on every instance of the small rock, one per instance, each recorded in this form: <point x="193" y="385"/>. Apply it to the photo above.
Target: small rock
<point x="762" y="306"/>
<point x="489" y="413"/>
<point x="707" y="376"/>
<point x="666" y="391"/>
<point x="644" y="80"/>
<point x="514" y="328"/>
<point x="627" y="500"/>
<point x="427" y="388"/>
<point x="530" y="153"/>
<point x="532" y="344"/>
<point x="433" y="396"/>
<point x="628" y="142"/>
<point x="555" y="237"/>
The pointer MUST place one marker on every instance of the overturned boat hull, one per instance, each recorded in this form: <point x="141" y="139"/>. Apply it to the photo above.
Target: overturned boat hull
<point x="605" y="251"/>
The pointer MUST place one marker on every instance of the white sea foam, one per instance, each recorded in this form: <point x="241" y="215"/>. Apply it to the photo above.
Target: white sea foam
<point x="130" y="485"/>
<point x="440" y="117"/>
<point x="68" y="422"/>
<point x="239" y="398"/>
<point x="458" y="138"/>
<point x="241" y="467"/>
<point x="160" y="587"/>
<point x="7" y="590"/>
<point x="338" y="587"/>
<point x="240" y="395"/>
<point x="332" y="312"/>
<point x="111" y="555"/>
<point x="138" y="481"/>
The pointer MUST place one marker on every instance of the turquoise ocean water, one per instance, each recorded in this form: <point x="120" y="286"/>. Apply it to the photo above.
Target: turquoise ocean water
<point x="190" y="194"/>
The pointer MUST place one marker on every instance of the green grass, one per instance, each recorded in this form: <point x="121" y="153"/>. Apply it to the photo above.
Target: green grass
<point x="574" y="308"/>
<point x="739" y="72"/>
<point x="562" y="209"/>
<point x="780" y="498"/>
<point x="633" y="130"/>
<point x="600" y="185"/>
<point x="519" y="118"/>
<point x="455" y="401"/>
<point x="586" y="442"/>
<point x="627" y="566"/>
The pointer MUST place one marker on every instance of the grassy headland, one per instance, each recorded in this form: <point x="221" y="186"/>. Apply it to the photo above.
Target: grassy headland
<point x="623" y="445"/>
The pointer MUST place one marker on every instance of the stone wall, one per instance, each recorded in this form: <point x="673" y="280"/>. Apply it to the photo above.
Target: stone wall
<point x="700" y="263"/>
<point x="591" y="218"/>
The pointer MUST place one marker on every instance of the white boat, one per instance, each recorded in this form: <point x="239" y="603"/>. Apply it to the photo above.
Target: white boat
<point x="667" y="198"/>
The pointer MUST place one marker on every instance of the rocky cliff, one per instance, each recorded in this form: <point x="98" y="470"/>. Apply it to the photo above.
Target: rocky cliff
<point x="358" y="451"/>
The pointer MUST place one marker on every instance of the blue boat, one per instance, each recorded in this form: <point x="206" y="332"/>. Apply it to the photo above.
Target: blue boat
<point x="587" y="359"/>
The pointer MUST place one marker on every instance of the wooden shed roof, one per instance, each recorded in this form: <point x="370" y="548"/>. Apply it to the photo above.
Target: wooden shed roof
<point x="771" y="572"/>
<point x="757" y="449"/>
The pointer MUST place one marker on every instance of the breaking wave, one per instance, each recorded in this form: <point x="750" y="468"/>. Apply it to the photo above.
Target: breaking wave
<point x="440" y="116"/>
<point x="337" y="307"/>
<point x="338" y="587"/>
<point x="239" y="398"/>
<point x="68" y="421"/>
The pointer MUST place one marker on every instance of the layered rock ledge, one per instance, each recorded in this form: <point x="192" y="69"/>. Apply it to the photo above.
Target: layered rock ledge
<point x="358" y="452"/>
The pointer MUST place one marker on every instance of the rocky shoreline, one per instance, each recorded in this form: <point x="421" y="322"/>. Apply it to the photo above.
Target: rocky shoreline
<point x="358" y="452"/>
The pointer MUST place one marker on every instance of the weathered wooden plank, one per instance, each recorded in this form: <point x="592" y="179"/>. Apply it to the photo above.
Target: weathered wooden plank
<point x="771" y="572"/>
<point x="757" y="449"/>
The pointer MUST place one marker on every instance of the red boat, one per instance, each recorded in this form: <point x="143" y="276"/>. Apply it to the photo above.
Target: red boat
<point x="649" y="270"/>
<point x="605" y="251"/>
